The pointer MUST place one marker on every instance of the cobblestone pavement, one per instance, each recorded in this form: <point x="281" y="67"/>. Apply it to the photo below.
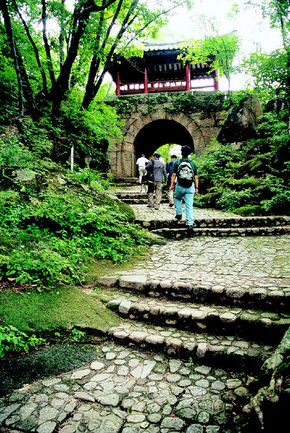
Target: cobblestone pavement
<point x="219" y="258"/>
<point x="234" y="261"/>
<point x="128" y="391"/>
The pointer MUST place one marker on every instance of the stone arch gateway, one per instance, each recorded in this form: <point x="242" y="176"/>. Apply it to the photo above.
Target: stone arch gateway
<point x="146" y="128"/>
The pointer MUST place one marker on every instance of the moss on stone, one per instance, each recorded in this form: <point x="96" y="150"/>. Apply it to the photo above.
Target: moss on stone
<point x="49" y="311"/>
<point x="186" y="102"/>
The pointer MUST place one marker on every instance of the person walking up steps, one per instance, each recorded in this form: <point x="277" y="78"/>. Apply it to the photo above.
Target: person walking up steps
<point x="169" y="170"/>
<point x="159" y="173"/>
<point x="141" y="162"/>
<point x="185" y="171"/>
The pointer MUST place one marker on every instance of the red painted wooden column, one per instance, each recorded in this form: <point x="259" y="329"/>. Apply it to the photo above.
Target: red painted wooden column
<point x="216" y="81"/>
<point x="187" y="76"/>
<point x="145" y="80"/>
<point x="118" y="83"/>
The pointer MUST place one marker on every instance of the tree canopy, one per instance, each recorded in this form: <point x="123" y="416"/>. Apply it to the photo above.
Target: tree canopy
<point x="271" y="71"/>
<point x="218" y="51"/>
<point x="57" y="45"/>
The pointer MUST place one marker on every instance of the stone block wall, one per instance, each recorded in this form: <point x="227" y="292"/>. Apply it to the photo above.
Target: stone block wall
<point x="202" y="129"/>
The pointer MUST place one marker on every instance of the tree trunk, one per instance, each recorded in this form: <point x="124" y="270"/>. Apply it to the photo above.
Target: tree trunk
<point x="61" y="37"/>
<point x="44" y="81"/>
<point x="27" y="90"/>
<point x="46" y="44"/>
<point x="94" y="90"/>
<point x="81" y="16"/>
<point x="61" y="85"/>
<point x="9" y="32"/>
<point x="287" y="49"/>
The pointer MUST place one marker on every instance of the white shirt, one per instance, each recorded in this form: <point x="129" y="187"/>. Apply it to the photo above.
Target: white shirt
<point x="142" y="161"/>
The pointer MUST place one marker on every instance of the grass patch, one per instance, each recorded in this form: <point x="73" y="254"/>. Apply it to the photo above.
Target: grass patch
<point x="44" y="363"/>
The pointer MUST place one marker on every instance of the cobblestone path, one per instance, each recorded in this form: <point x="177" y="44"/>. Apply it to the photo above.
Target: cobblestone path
<point x="127" y="391"/>
<point x="187" y="306"/>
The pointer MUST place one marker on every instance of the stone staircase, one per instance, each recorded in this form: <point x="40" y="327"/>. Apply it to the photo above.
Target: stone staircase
<point x="126" y="183"/>
<point x="198" y="323"/>
<point x="135" y="197"/>
<point x="234" y="226"/>
<point x="238" y="326"/>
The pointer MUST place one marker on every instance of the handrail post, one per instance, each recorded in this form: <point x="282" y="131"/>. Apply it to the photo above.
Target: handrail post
<point x="145" y="80"/>
<point x="216" y="80"/>
<point x="118" y="84"/>
<point x="187" y="76"/>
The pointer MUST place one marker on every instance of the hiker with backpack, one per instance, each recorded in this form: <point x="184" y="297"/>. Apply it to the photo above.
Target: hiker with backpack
<point x="185" y="172"/>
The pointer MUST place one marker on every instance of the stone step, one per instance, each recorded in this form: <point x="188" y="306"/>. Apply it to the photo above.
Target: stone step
<point x="263" y="327"/>
<point x="196" y="347"/>
<point x="139" y="196"/>
<point x="131" y="194"/>
<point x="228" y="222"/>
<point x="128" y="181"/>
<point x="182" y="232"/>
<point x="263" y="295"/>
<point x="142" y="200"/>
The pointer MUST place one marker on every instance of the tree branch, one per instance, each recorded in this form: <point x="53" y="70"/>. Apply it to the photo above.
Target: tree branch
<point x="123" y="28"/>
<point x="148" y="24"/>
<point x="96" y="60"/>
<point x="44" y="81"/>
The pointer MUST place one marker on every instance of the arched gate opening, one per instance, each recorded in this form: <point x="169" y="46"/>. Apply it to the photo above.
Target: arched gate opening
<point x="160" y="132"/>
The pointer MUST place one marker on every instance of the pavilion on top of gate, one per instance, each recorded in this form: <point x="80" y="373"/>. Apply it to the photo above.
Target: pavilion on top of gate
<point x="159" y="70"/>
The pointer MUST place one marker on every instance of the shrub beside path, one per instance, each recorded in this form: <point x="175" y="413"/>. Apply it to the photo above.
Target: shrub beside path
<point x="206" y="312"/>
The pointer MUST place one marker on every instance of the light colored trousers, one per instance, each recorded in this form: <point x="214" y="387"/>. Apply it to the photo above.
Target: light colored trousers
<point x="156" y="190"/>
<point x="188" y="195"/>
<point x="142" y="171"/>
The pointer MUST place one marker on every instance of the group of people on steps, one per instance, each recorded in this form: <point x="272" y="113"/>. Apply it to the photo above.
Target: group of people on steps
<point x="182" y="182"/>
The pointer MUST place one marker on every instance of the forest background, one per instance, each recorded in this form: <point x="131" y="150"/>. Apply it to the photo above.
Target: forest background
<point x="58" y="228"/>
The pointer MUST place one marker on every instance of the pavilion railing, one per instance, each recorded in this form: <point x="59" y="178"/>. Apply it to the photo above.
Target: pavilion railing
<point x="166" y="86"/>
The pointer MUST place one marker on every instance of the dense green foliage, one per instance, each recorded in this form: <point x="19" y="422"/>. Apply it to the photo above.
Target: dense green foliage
<point x="56" y="48"/>
<point x="90" y="132"/>
<point x="53" y="223"/>
<point x="251" y="178"/>
<point x="13" y="340"/>
<point x="270" y="72"/>
<point x="217" y="51"/>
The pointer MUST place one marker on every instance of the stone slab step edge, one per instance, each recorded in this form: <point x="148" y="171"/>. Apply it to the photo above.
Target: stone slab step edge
<point x="232" y="222"/>
<point x="190" y="292"/>
<point x="181" y="233"/>
<point x="224" y="322"/>
<point x="126" y="181"/>
<point x="139" y="201"/>
<point x="235" y="351"/>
